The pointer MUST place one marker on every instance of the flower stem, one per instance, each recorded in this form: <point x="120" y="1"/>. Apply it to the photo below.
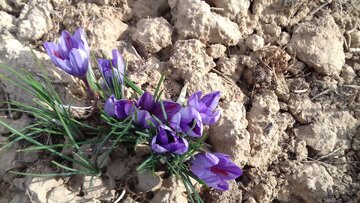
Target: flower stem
<point x="91" y="94"/>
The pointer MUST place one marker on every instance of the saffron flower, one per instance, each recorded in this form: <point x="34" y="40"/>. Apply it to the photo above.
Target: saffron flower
<point x="119" y="109"/>
<point x="206" y="106"/>
<point x="215" y="169"/>
<point x="149" y="109"/>
<point x="187" y="120"/>
<point x="71" y="54"/>
<point x="167" y="141"/>
<point x="113" y="70"/>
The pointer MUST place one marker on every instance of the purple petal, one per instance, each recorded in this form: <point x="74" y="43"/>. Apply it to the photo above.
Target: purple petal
<point x="194" y="99"/>
<point x="211" y="100"/>
<point x="146" y="101"/>
<point x="157" y="148"/>
<point x="170" y="107"/>
<point x="209" y="117"/>
<point x="80" y="36"/>
<point x="118" y="63"/>
<point x="142" y="118"/>
<point x="109" y="106"/>
<point x="79" y="62"/>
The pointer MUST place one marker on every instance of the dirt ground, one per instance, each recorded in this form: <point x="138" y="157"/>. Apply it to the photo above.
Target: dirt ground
<point x="288" y="71"/>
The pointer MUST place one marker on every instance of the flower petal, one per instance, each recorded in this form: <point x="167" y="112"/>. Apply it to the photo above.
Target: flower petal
<point x="79" y="62"/>
<point x="211" y="100"/>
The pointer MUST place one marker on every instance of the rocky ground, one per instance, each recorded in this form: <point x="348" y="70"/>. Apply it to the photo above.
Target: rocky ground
<point x="288" y="71"/>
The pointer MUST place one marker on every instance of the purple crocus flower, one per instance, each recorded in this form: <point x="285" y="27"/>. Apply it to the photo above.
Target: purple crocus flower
<point x="188" y="120"/>
<point x="167" y="141"/>
<point x="215" y="169"/>
<point x="71" y="54"/>
<point x="119" y="109"/>
<point x="109" y="68"/>
<point x="206" y="106"/>
<point x="149" y="109"/>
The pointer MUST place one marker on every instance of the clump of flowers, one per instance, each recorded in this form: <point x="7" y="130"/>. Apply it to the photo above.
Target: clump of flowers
<point x="173" y="131"/>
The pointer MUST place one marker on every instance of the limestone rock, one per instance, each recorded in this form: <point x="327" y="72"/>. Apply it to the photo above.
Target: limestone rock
<point x="108" y="30"/>
<point x="189" y="60"/>
<point x="255" y="42"/>
<point x="213" y="82"/>
<point x="264" y="129"/>
<point x="150" y="8"/>
<point x="147" y="181"/>
<point x="348" y="74"/>
<point x="310" y="43"/>
<point x="95" y="190"/>
<point x="153" y="34"/>
<point x="7" y="22"/>
<point x="34" y="20"/>
<point x="194" y="19"/>
<point x="231" y="67"/>
<point x="328" y="131"/>
<point x="311" y="182"/>
<point x="7" y="157"/>
<point x="17" y="56"/>
<point x="216" y="50"/>
<point x="233" y="8"/>
<point x="229" y="134"/>
<point x="49" y="190"/>
<point x="355" y="39"/>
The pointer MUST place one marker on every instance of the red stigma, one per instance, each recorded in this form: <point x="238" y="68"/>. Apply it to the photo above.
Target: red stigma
<point x="57" y="54"/>
<point x="219" y="171"/>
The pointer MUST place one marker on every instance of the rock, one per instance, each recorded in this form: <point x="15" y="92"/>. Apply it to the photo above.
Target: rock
<point x="234" y="194"/>
<point x="7" y="157"/>
<point x="153" y="34"/>
<point x="95" y="191"/>
<point x="255" y="42"/>
<point x="129" y="200"/>
<point x="213" y="82"/>
<point x="264" y="129"/>
<point x="283" y="39"/>
<point x="49" y="190"/>
<point x="266" y="189"/>
<point x="233" y="8"/>
<point x="301" y="151"/>
<point x="355" y="39"/>
<point x="170" y="195"/>
<point x="34" y="20"/>
<point x="318" y="137"/>
<point x="328" y="131"/>
<point x="189" y="60"/>
<point x="302" y="108"/>
<point x="281" y="88"/>
<point x="20" y="198"/>
<point x="150" y="8"/>
<point x="108" y="30"/>
<point x="18" y="124"/>
<point x="280" y="12"/>
<point x="229" y="134"/>
<point x="348" y="74"/>
<point x="12" y="6"/>
<point x="147" y="181"/>
<point x="194" y="19"/>
<point x="216" y="51"/>
<point x="231" y="67"/>
<point x="311" y="182"/>
<point x="310" y="43"/>
<point x="272" y="29"/>
<point x="152" y="68"/>
<point x="17" y="56"/>
<point x="296" y="68"/>
<point x="7" y="22"/>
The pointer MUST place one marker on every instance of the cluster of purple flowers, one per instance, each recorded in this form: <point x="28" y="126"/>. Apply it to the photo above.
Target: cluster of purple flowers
<point x="173" y="122"/>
